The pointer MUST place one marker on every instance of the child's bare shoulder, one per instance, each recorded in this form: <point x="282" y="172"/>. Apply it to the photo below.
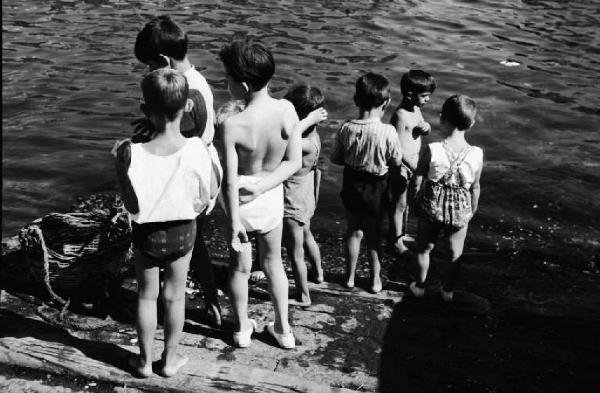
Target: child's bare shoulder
<point x="286" y="106"/>
<point x="401" y="112"/>
<point x="233" y="125"/>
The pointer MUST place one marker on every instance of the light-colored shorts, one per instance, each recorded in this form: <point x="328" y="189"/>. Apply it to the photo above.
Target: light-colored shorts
<point x="265" y="213"/>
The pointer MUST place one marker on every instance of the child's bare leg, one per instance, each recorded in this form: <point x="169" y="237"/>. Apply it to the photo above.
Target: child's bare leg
<point x="174" y="299"/>
<point x="398" y="223"/>
<point x="373" y="237"/>
<point x="239" y="272"/>
<point x="294" y="239"/>
<point x="256" y="274"/>
<point x="311" y="249"/>
<point x="426" y="235"/>
<point x="354" y="236"/>
<point x="148" y="289"/>
<point x="203" y="271"/>
<point x="457" y="243"/>
<point x="269" y="245"/>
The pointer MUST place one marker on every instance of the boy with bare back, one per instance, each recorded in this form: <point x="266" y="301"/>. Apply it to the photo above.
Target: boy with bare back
<point x="261" y="149"/>
<point x="416" y="87"/>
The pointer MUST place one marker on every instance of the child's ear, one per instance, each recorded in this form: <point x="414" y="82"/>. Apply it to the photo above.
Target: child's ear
<point x="387" y="102"/>
<point x="145" y="110"/>
<point x="189" y="105"/>
<point x="167" y="60"/>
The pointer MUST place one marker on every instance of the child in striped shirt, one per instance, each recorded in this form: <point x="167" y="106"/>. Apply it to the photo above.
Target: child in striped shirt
<point x="366" y="148"/>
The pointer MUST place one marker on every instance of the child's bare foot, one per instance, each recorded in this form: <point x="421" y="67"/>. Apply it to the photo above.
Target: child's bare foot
<point x="319" y="276"/>
<point x="171" y="368"/>
<point x="377" y="285"/>
<point x="300" y="301"/>
<point x="416" y="290"/>
<point x="447" y="296"/>
<point x="141" y="369"/>
<point x="257" y="276"/>
<point x="349" y="283"/>
<point x="399" y="247"/>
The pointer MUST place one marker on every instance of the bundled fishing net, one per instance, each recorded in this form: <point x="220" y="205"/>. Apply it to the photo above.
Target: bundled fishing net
<point x="68" y="252"/>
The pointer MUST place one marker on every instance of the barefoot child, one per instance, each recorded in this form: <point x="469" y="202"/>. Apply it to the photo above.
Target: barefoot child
<point x="300" y="192"/>
<point x="366" y="148"/>
<point x="416" y="87"/>
<point x="261" y="149"/>
<point x="162" y="43"/>
<point x="447" y="182"/>
<point x="164" y="184"/>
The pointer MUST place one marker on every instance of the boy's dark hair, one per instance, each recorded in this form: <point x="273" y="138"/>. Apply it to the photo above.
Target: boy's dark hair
<point x="305" y="99"/>
<point x="248" y="61"/>
<point x="372" y="90"/>
<point x="417" y="82"/>
<point x="165" y="92"/>
<point x="459" y="111"/>
<point x="160" y="36"/>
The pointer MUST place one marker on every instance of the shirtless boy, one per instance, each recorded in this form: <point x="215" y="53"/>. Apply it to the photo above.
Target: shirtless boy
<point x="261" y="149"/>
<point x="416" y="87"/>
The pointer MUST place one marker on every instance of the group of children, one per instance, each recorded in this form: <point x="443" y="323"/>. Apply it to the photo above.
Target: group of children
<point x="170" y="177"/>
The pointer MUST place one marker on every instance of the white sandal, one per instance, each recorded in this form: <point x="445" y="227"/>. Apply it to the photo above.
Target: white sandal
<point x="285" y="340"/>
<point x="243" y="339"/>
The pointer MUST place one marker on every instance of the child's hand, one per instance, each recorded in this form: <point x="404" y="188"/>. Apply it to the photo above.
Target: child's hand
<point x="423" y="128"/>
<point x="238" y="236"/>
<point x="248" y="193"/>
<point x="316" y="116"/>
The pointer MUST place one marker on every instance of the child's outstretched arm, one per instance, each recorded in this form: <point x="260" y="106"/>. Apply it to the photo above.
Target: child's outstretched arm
<point x="292" y="161"/>
<point x="230" y="187"/>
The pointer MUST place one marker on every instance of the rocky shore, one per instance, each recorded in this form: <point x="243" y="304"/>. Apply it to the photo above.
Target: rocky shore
<point x="516" y="326"/>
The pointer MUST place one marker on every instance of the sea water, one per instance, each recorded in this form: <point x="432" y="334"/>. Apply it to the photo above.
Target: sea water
<point x="70" y="88"/>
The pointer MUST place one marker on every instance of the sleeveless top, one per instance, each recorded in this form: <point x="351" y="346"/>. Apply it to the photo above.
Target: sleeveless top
<point x="441" y="156"/>
<point x="167" y="188"/>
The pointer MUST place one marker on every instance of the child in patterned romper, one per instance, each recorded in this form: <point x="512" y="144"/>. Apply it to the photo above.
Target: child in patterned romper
<point x="447" y="187"/>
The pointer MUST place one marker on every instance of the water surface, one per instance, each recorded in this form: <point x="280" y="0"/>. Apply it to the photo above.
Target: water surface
<point x="70" y="88"/>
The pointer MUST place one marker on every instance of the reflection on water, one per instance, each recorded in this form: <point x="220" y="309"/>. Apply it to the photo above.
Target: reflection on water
<point x="70" y="88"/>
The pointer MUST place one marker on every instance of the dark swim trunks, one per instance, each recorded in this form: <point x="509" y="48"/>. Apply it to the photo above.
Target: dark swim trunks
<point x="364" y="192"/>
<point x="164" y="241"/>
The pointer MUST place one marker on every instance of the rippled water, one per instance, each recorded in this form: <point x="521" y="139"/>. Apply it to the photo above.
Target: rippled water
<point x="70" y="88"/>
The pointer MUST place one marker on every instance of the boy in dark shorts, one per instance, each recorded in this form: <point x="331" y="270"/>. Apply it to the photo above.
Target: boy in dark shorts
<point x="165" y="184"/>
<point x="366" y="148"/>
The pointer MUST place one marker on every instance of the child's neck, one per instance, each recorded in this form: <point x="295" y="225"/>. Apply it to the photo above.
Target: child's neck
<point x="373" y="113"/>
<point x="407" y="105"/>
<point x="256" y="96"/>
<point x="168" y="130"/>
<point x="456" y="137"/>
<point x="181" y="65"/>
